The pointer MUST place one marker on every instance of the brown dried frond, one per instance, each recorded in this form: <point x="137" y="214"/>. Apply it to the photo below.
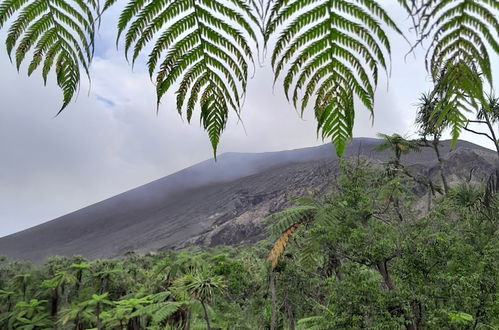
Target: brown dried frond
<point x="280" y="245"/>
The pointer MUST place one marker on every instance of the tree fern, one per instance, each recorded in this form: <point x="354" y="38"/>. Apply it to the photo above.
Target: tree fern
<point x="203" y="45"/>
<point x="287" y="222"/>
<point x="462" y="32"/>
<point x="330" y="50"/>
<point x="58" y="33"/>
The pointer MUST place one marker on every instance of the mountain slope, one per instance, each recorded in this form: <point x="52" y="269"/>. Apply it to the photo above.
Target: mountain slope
<point x="214" y="203"/>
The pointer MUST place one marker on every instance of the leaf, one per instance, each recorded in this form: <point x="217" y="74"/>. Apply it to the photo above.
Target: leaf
<point x="461" y="32"/>
<point x="60" y="35"/>
<point x="280" y="245"/>
<point x="200" y="45"/>
<point x="330" y="51"/>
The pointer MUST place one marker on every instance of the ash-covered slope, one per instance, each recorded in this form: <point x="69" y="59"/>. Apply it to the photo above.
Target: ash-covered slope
<point x="213" y="202"/>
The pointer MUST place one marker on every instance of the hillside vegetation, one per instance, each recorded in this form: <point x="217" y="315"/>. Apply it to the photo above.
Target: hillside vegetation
<point x="357" y="258"/>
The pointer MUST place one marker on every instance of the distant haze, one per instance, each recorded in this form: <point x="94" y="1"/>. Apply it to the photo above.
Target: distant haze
<point x="110" y="140"/>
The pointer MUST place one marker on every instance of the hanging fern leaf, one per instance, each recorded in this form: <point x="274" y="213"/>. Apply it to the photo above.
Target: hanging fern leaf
<point x="201" y="45"/>
<point x="287" y="217"/>
<point x="287" y="223"/>
<point x="330" y="50"/>
<point x="462" y="32"/>
<point x="58" y="33"/>
<point x="280" y="245"/>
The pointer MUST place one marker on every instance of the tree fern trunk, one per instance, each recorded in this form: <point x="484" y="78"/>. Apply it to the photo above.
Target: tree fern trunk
<point x="492" y="133"/>
<point x="54" y="302"/>
<point x="79" y="276"/>
<point x="291" y="317"/>
<point x="206" y="318"/>
<point x="441" y="165"/>
<point x="273" y="297"/>
<point x="97" y="311"/>
<point x="430" y="192"/>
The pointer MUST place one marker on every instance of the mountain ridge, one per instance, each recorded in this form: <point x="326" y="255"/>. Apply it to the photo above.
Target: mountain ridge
<point x="196" y="205"/>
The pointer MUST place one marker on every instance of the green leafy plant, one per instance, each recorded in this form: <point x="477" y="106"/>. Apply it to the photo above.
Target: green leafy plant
<point x="60" y="34"/>
<point x="460" y="34"/>
<point x="329" y="52"/>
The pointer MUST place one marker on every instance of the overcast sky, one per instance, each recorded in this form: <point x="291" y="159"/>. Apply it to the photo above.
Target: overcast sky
<point x="111" y="140"/>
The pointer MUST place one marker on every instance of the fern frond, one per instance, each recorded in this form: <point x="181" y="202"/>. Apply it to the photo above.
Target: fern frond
<point x="59" y="34"/>
<point x="203" y="46"/>
<point x="330" y="51"/>
<point x="462" y="33"/>
<point x="460" y="91"/>
<point x="287" y="223"/>
<point x="287" y="217"/>
<point x="311" y="323"/>
<point x="159" y="311"/>
<point x="280" y="245"/>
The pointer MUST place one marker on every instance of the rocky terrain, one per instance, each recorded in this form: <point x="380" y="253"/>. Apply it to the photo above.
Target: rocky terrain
<point x="221" y="202"/>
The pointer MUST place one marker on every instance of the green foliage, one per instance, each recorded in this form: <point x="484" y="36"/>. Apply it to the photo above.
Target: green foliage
<point x="361" y="258"/>
<point x="397" y="144"/>
<point x="427" y="119"/>
<point x="203" y="45"/>
<point x="60" y="35"/>
<point x="329" y="53"/>
<point x="334" y="50"/>
<point x="461" y="33"/>
<point x="379" y="271"/>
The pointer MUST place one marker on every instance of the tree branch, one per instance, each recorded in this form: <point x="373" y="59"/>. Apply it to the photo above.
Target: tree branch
<point x="479" y="133"/>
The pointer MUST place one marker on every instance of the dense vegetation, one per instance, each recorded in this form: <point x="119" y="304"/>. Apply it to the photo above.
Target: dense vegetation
<point x="329" y="53"/>
<point x="362" y="257"/>
<point x="369" y="255"/>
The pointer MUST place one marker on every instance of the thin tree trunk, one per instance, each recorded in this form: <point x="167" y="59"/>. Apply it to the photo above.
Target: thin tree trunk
<point x="54" y="302"/>
<point x="337" y="270"/>
<point x="206" y="318"/>
<point x="103" y="285"/>
<point x="397" y="208"/>
<point x="291" y="318"/>
<point x="79" y="276"/>
<point x="24" y="289"/>
<point x="273" y="297"/>
<point x="491" y="129"/>
<point x="440" y="165"/>
<point x="9" y="304"/>
<point x="188" y="320"/>
<point x="383" y="270"/>
<point x="430" y="193"/>
<point x="417" y="311"/>
<point x="97" y="311"/>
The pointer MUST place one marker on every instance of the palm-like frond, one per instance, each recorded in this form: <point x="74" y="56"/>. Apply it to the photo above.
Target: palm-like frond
<point x="396" y="143"/>
<point x="287" y="217"/>
<point x="288" y="222"/>
<point x="59" y="34"/>
<point x="462" y="33"/>
<point x="330" y="50"/>
<point x="280" y="245"/>
<point x="202" y="45"/>
<point x="427" y="119"/>
<point x="491" y="110"/>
